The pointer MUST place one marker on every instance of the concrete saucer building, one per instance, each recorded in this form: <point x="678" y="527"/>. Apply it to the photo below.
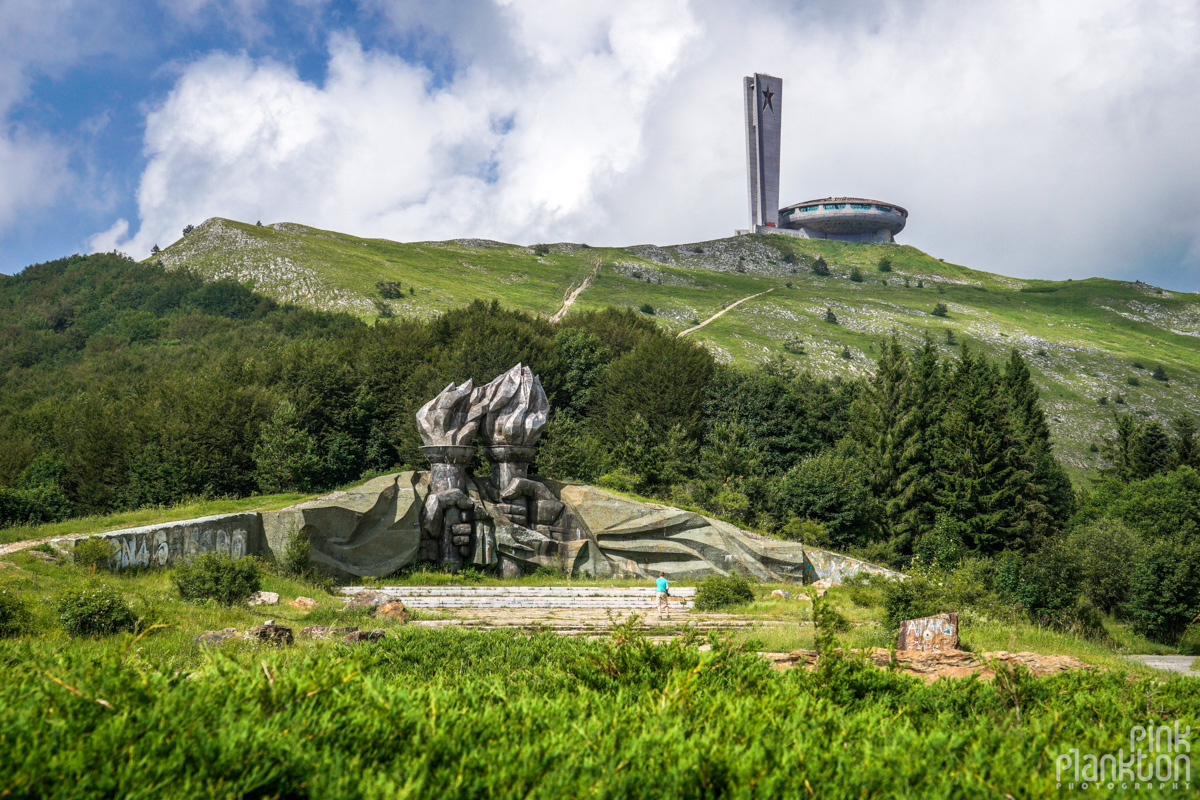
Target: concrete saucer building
<point x="846" y="219"/>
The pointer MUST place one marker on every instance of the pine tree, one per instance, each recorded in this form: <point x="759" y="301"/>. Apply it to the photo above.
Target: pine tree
<point x="1187" y="448"/>
<point x="1119" y="450"/>
<point x="915" y="505"/>
<point x="1152" y="451"/>
<point x="882" y="426"/>
<point x="982" y="474"/>
<point x="285" y="456"/>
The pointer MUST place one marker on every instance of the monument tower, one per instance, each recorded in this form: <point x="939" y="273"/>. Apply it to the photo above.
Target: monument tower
<point x="847" y="219"/>
<point x="764" y="106"/>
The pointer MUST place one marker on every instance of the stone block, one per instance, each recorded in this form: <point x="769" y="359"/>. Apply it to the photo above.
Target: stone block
<point x="937" y="634"/>
<point x="264" y="599"/>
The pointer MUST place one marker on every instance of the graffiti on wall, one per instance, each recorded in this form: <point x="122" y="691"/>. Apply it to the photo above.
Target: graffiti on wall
<point x="175" y="542"/>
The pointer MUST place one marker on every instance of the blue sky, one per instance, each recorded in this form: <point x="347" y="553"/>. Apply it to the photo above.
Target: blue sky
<point x="1035" y="138"/>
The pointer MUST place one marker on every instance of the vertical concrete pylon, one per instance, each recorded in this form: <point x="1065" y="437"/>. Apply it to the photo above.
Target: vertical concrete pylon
<point x="764" y="112"/>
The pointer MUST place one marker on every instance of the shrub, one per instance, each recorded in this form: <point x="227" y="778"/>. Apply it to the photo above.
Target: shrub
<point x="856" y="275"/>
<point x="789" y="257"/>
<point x="942" y="547"/>
<point x="94" y="553"/>
<point x="940" y="310"/>
<point x="1108" y="552"/>
<point x="885" y="264"/>
<point x="819" y="266"/>
<point x="920" y="284"/>
<point x="14" y="613"/>
<point x="220" y="577"/>
<point x="646" y="308"/>
<point x="541" y="249"/>
<point x="846" y="354"/>
<point x="918" y="596"/>
<point x="722" y="591"/>
<point x="1132" y="380"/>
<point x="389" y="290"/>
<point x="1166" y="591"/>
<point x="188" y="229"/>
<point x="830" y="317"/>
<point x="95" y="610"/>
<point x="297" y="554"/>
<point x="1137" y="365"/>
<point x="1159" y="374"/>
<point x="808" y="531"/>
<point x="1102" y="400"/>
<point x="1189" y="645"/>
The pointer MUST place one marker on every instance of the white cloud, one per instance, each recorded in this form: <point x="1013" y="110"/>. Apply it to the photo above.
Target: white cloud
<point x="1031" y="137"/>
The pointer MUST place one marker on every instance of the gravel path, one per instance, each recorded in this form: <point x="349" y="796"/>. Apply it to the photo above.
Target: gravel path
<point x="1180" y="664"/>
<point x="571" y="297"/>
<point x="729" y="307"/>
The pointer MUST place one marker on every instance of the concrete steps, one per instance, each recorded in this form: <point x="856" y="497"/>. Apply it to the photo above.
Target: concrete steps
<point x="517" y="597"/>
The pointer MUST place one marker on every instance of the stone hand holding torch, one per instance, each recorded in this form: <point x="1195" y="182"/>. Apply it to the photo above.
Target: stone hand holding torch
<point x="513" y="412"/>
<point x="447" y="428"/>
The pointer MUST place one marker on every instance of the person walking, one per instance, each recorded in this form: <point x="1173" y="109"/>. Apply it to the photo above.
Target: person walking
<point x="664" y="606"/>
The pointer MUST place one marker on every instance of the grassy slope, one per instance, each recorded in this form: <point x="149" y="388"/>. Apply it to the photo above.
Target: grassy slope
<point x="1081" y="337"/>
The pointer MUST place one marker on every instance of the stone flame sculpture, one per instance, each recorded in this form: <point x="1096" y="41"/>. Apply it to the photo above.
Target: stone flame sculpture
<point x="514" y="521"/>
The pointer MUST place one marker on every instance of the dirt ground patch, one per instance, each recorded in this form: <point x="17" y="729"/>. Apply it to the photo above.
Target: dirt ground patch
<point x="950" y="664"/>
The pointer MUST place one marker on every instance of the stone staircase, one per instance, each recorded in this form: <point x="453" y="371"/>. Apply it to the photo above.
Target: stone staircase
<point x="531" y="597"/>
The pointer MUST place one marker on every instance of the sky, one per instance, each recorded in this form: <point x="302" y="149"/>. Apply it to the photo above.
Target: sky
<point x="1034" y="138"/>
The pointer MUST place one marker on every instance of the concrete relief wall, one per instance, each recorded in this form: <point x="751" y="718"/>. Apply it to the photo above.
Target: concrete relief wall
<point x="173" y="542"/>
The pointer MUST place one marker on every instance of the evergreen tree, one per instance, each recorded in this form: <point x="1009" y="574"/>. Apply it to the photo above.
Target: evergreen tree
<point x="1152" y="451"/>
<point x="915" y="508"/>
<point x="1119" y="450"/>
<point x="1187" y="446"/>
<point x="883" y="428"/>
<point x="983" y="479"/>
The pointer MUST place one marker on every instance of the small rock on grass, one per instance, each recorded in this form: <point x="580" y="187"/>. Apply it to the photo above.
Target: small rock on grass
<point x="780" y="593"/>
<point x="357" y="637"/>
<point x="393" y="610"/>
<point x="270" y="633"/>
<point x="264" y="599"/>
<point x="303" y="603"/>
<point x="217" y="637"/>
<point x="325" y="631"/>
<point x="366" y="600"/>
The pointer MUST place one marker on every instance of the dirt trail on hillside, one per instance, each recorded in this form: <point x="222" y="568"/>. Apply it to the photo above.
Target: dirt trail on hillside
<point x="729" y="307"/>
<point x="573" y="294"/>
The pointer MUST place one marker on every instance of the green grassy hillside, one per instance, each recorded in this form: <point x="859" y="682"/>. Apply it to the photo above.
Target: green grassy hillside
<point x="1084" y="339"/>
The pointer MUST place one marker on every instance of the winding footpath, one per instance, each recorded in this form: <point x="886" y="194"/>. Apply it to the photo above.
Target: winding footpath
<point x="729" y="307"/>
<point x="573" y="295"/>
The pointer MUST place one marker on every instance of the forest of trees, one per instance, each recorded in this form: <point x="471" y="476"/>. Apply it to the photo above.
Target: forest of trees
<point x="124" y="385"/>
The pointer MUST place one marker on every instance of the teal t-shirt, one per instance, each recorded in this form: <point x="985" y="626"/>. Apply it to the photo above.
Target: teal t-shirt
<point x="662" y="584"/>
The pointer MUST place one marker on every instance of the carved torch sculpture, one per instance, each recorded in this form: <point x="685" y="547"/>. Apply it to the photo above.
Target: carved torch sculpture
<point x="513" y="411"/>
<point x="447" y="428"/>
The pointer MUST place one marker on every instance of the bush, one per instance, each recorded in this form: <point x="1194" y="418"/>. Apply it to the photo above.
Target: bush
<point x="830" y="317"/>
<point x="541" y="249"/>
<point x="646" y="308"/>
<point x="917" y="596"/>
<point x="95" y="610"/>
<point x="856" y="275"/>
<point x="389" y="290"/>
<point x="819" y="266"/>
<point x="885" y="264"/>
<point x="940" y="310"/>
<point x="1159" y="374"/>
<point x="1108" y="553"/>
<point x="789" y="257"/>
<point x="94" y="553"/>
<point x="1189" y="645"/>
<point x="14" y="613"/>
<point x="1166" y="591"/>
<point x="1132" y="380"/>
<point x="722" y="591"/>
<point x="220" y="577"/>
<point x="297" y="554"/>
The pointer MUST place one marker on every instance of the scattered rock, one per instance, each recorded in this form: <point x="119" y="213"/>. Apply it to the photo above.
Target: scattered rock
<point x="217" y="637"/>
<point x="393" y="610"/>
<point x="357" y="637"/>
<point x="42" y="556"/>
<point x="303" y="603"/>
<point x="325" y="631"/>
<point x="780" y="593"/>
<point x="822" y="586"/>
<point x="366" y="600"/>
<point x="270" y="633"/>
<point x="264" y="599"/>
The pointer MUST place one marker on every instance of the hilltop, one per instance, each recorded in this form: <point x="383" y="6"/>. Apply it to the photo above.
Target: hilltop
<point x="1085" y="340"/>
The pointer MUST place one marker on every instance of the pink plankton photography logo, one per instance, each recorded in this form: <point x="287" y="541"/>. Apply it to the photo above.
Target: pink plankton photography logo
<point x="1159" y="757"/>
